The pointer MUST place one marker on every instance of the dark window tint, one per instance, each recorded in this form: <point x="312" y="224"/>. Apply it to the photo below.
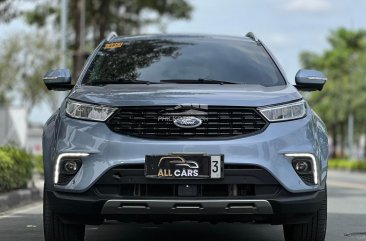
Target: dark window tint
<point x="154" y="60"/>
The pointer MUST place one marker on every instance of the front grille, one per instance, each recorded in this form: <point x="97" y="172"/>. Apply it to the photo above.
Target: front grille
<point x="157" y="122"/>
<point x="172" y="190"/>
<point x="308" y="179"/>
<point x="64" y="179"/>
<point x="129" y="181"/>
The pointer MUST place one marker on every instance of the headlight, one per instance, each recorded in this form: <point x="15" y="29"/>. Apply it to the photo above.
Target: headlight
<point x="85" y="111"/>
<point x="285" y="112"/>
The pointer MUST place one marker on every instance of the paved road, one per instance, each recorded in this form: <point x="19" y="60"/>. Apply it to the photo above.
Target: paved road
<point x="347" y="215"/>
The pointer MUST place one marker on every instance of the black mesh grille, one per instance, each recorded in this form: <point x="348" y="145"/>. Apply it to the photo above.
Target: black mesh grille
<point x="126" y="181"/>
<point x="64" y="179"/>
<point x="158" y="122"/>
<point x="172" y="190"/>
<point x="307" y="178"/>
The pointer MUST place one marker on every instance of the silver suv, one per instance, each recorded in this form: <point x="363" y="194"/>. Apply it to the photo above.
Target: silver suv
<point x="184" y="127"/>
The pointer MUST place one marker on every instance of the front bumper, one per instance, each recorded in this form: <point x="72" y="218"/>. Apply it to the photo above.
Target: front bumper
<point x="285" y="208"/>
<point x="190" y="206"/>
<point x="267" y="150"/>
<point x="246" y="193"/>
<point x="268" y="189"/>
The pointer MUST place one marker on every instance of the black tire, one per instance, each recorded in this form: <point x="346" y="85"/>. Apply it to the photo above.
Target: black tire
<point x="314" y="230"/>
<point x="55" y="229"/>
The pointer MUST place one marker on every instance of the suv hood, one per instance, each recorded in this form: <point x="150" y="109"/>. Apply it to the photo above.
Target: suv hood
<point x="175" y="94"/>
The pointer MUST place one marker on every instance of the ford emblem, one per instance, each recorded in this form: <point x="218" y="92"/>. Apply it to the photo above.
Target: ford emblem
<point x="187" y="122"/>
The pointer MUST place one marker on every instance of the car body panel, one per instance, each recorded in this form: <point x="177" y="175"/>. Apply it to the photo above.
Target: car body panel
<point x="173" y="94"/>
<point x="267" y="149"/>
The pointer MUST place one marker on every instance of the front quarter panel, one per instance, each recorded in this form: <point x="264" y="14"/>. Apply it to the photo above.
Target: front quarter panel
<point x="321" y="145"/>
<point x="49" y="140"/>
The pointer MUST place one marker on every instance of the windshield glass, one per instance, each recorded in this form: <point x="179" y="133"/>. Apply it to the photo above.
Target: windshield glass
<point x="175" y="60"/>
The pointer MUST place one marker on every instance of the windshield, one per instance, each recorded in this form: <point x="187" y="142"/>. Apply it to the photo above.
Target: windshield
<point x="176" y="60"/>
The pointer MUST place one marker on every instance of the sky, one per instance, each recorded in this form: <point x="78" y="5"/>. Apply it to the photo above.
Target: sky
<point x="287" y="27"/>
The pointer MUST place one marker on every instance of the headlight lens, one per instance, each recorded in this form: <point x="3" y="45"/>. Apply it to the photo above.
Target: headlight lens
<point x="85" y="111"/>
<point x="285" y="112"/>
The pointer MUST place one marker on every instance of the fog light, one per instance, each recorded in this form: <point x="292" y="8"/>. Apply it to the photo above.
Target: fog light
<point x="302" y="166"/>
<point x="71" y="166"/>
<point x="306" y="166"/>
<point x="60" y="164"/>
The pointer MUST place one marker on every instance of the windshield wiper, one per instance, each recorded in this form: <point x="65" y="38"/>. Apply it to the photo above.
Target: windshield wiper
<point x="196" y="81"/>
<point x="102" y="82"/>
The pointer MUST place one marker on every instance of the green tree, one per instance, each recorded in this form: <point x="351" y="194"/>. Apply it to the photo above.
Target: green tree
<point x="21" y="66"/>
<point x="24" y="60"/>
<point x="344" y="94"/>
<point x="103" y="16"/>
<point x="7" y="10"/>
<point x="7" y="57"/>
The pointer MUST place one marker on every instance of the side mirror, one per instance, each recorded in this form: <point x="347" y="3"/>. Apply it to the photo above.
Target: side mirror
<point x="59" y="79"/>
<point x="310" y="80"/>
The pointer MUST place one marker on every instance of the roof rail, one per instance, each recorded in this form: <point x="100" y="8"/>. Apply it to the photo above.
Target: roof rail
<point x="252" y="36"/>
<point x="111" y="35"/>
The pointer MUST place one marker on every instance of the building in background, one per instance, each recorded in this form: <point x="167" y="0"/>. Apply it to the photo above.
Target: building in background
<point x="15" y="130"/>
<point x="34" y="139"/>
<point x="13" y="126"/>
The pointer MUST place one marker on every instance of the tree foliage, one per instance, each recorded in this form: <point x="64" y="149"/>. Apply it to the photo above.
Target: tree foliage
<point x="16" y="167"/>
<point x="7" y="10"/>
<point x="6" y="71"/>
<point x="345" y="92"/>
<point x="23" y="61"/>
<point x="102" y="16"/>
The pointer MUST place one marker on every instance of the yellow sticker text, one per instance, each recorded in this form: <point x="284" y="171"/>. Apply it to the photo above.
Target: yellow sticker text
<point x="113" y="45"/>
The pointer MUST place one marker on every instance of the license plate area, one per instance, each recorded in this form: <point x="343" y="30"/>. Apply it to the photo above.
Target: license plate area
<point x="184" y="166"/>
